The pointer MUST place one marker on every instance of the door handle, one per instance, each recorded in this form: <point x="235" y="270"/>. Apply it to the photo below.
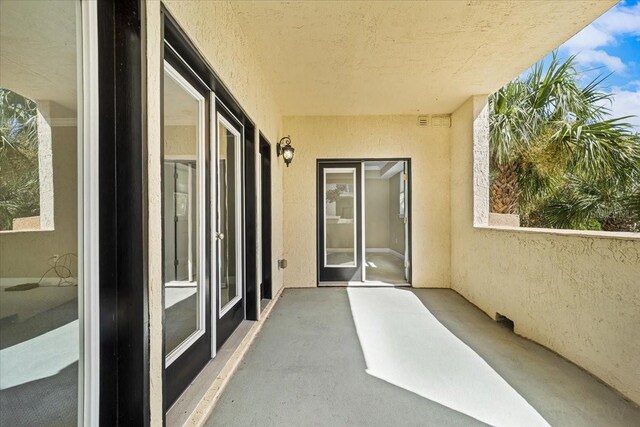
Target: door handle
<point x="219" y="236"/>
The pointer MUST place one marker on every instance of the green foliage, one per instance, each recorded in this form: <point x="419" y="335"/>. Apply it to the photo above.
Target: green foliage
<point x="577" y="166"/>
<point x="591" y="204"/>
<point x="19" y="177"/>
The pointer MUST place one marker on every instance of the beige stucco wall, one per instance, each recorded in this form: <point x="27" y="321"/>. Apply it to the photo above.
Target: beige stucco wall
<point x="41" y="245"/>
<point x="368" y="137"/>
<point x="577" y="294"/>
<point x="213" y="27"/>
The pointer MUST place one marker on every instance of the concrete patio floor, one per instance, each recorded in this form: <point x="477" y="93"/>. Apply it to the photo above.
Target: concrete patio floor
<point x="392" y="356"/>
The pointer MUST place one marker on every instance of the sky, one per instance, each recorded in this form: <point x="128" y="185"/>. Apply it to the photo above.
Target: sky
<point x="611" y="44"/>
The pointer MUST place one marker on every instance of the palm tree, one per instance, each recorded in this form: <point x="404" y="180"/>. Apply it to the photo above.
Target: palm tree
<point x="19" y="174"/>
<point x="593" y="204"/>
<point x="547" y="133"/>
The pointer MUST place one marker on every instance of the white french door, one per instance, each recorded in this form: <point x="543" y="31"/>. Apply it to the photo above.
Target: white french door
<point x="227" y="233"/>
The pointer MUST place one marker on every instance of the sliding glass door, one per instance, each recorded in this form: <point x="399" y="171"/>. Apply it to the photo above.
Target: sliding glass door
<point x="386" y="225"/>
<point x="48" y="214"/>
<point x="363" y="222"/>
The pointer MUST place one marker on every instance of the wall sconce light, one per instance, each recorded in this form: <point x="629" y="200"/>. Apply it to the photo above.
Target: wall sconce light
<point x="285" y="149"/>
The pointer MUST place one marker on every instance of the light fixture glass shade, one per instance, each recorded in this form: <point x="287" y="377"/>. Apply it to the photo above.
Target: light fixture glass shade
<point x="287" y="154"/>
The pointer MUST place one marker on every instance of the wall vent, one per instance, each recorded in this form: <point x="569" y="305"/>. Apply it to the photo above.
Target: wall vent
<point x="441" y="121"/>
<point x="423" y="121"/>
<point x="504" y="321"/>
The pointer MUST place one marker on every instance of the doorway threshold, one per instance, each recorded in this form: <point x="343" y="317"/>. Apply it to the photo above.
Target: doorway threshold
<point x="365" y="284"/>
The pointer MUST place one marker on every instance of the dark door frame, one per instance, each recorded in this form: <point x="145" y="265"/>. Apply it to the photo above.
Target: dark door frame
<point x="265" y="199"/>
<point x="408" y="201"/>
<point x="193" y="62"/>
<point x="250" y="225"/>
<point x="124" y="310"/>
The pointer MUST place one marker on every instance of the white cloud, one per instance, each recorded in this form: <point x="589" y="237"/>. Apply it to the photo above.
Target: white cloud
<point x="588" y="44"/>
<point x="600" y="57"/>
<point x="625" y="103"/>
<point x="588" y="39"/>
<point x="621" y="20"/>
<point x="634" y="83"/>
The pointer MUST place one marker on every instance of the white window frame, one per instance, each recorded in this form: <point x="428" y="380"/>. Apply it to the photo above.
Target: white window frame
<point x="213" y="205"/>
<point x="88" y="220"/>
<point x="238" y="217"/>
<point x="175" y="353"/>
<point x="355" y="216"/>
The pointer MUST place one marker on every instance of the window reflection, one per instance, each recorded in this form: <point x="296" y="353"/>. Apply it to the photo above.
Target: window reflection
<point x="340" y="224"/>
<point x="181" y="168"/>
<point x="230" y="281"/>
<point x="39" y="147"/>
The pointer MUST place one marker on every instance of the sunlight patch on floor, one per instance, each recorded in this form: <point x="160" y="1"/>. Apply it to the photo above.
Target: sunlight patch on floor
<point x="174" y="292"/>
<point x="40" y="357"/>
<point x="405" y="345"/>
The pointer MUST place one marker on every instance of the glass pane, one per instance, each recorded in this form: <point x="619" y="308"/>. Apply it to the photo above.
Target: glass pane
<point x="229" y="198"/>
<point x="39" y="163"/>
<point x="339" y="217"/>
<point x="185" y="209"/>
<point x="384" y="222"/>
<point x="182" y="293"/>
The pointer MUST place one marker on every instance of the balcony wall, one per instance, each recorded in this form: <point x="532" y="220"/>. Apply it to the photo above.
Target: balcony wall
<point x="214" y="29"/>
<point x="357" y="137"/>
<point x="576" y="293"/>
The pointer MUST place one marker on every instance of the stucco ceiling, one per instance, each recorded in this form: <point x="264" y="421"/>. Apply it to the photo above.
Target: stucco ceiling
<point x="38" y="50"/>
<point x="401" y="57"/>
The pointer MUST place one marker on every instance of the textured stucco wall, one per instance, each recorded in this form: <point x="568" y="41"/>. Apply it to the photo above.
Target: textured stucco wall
<point x="41" y="245"/>
<point x="368" y="137"/>
<point x="576" y="294"/>
<point x="213" y="27"/>
<point x="154" y="170"/>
